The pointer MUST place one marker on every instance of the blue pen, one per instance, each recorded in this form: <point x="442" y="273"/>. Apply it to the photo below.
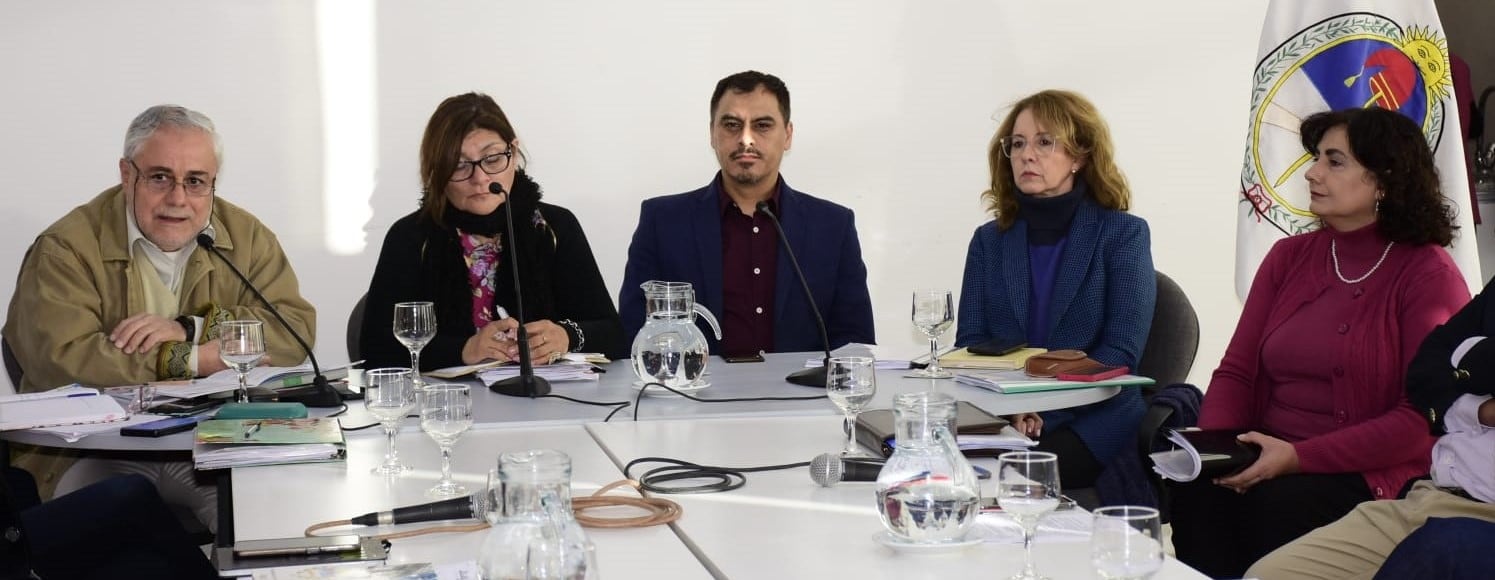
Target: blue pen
<point x="81" y="395"/>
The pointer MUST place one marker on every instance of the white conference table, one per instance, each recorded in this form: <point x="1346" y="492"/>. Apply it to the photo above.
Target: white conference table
<point x="782" y="525"/>
<point x="281" y="501"/>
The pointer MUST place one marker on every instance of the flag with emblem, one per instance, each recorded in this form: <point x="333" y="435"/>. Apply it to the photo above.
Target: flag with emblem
<point x="1339" y="54"/>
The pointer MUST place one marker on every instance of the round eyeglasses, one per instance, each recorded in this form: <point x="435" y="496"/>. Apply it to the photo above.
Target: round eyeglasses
<point x="491" y="164"/>
<point x="1043" y="144"/>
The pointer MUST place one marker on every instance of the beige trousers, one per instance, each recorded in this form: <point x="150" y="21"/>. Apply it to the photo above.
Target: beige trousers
<point x="1357" y="544"/>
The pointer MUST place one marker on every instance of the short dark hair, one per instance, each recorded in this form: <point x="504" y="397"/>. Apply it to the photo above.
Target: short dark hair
<point x="442" y="144"/>
<point x="747" y="82"/>
<point x="1392" y="147"/>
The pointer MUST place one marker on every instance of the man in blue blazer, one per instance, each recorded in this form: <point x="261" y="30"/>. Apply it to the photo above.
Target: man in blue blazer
<point x="717" y="239"/>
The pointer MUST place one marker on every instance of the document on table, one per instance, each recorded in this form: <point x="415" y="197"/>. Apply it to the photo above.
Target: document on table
<point x="564" y="370"/>
<point x="73" y="433"/>
<point x="76" y="407"/>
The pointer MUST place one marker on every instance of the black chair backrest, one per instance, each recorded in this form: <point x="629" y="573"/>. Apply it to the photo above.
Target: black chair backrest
<point x="355" y="328"/>
<point x="1174" y="339"/>
<point x="12" y="366"/>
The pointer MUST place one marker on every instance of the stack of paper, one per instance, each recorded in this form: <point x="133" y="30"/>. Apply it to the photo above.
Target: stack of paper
<point x="1009" y="382"/>
<point x="70" y="405"/>
<point x="563" y="370"/>
<point x="1009" y="439"/>
<point x="963" y="359"/>
<point x="221" y="443"/>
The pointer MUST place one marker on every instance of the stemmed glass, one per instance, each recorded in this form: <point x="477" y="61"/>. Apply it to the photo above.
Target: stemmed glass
<point x="389" y="395"/>
<point x="415" y="325"/>
<point x="850" y="383"/>
<point x="1126" y="542"/>
<point x="1027" y="490"/>
<point x="445" y="412"/>
<point x="934" y="311"/>
<point x="241" y="345"/>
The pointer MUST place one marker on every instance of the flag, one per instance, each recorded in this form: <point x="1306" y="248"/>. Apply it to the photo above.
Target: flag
<point x="1338" y="54"/>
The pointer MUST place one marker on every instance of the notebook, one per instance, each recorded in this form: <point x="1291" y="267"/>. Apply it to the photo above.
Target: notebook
<point x="223" y="443"/>
<point x="1203" y="453"/>
<point x="1014" y="381"/>
<point x="963" y="359"/>
<point x="71" y="405"/>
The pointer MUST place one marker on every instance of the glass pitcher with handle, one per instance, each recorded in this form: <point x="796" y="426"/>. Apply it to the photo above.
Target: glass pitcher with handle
<point x="670" y="349"/>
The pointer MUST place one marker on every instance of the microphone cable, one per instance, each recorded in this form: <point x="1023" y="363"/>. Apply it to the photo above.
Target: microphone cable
<point x="638" y="399"/>
<point x="616" y="405"/>
<point x="723" y="478"/>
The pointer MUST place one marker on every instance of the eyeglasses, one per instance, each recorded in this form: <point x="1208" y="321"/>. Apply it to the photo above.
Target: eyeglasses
<point x="162" y="183"/>
<point x="1043" y="144"/>
<point x="492" y="165"/>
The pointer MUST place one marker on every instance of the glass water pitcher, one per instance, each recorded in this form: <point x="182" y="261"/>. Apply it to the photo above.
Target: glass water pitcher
<point x="927" y="492"/>
<point x="534" y="533"/>
<point x="670" y="349"/>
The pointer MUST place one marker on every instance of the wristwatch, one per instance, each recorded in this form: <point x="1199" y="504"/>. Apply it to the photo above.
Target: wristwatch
<point x="188" y="324"/>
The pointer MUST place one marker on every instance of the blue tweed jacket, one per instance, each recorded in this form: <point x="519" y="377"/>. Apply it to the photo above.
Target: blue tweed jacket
<point x="1102" y="303"/>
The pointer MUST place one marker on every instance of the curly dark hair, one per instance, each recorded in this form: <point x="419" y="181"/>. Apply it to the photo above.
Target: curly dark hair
<point x="1393" y="148"/>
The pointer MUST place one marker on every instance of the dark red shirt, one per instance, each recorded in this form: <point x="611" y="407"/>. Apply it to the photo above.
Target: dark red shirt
<point x="750" y="255"/>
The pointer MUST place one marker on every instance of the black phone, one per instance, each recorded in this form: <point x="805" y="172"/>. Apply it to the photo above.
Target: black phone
<point x="997" y="346"/>
<point x="160" y="428"/>
<point x="742" y="358"/>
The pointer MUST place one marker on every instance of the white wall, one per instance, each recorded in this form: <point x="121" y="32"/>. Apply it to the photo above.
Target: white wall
<point x="894" y="104"/>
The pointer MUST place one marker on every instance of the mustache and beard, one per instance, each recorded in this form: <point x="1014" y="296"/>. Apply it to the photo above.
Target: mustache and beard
<point x="744" y="175"/>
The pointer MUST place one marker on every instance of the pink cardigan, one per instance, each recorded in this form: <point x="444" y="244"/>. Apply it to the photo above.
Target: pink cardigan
<point x="1382" y="437"/>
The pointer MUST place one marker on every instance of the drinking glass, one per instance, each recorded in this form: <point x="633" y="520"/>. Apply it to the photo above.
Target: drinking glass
<point x="934" y="311"/>
<point x="445" y="412"/>
<point x="1027" y="490"/>
<point x="850" y="383"/>
<point x="389" y="395"/>
<point x="241" y="345"/>
<point x="415" y="325"/>
<point x="1126" y="542"/>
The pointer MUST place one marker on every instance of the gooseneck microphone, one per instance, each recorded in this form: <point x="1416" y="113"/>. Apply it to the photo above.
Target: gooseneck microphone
<point x="321" y="394"/>
<point x="526" y="384"/>
<point x="457" y="508"/>
<point x="828" y="469"/>
<point x="813" y="377"/>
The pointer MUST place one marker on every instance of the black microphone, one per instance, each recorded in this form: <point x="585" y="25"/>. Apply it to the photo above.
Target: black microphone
<point x="828" y="469"/>
<point x="321" y="394"/>
<point x="526" y="384"/>
<point x="457" y="508"/>
<point x="812" y="377"/>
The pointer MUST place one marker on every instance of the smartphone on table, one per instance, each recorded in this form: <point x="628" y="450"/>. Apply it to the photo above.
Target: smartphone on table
<point x="160" y="427"/>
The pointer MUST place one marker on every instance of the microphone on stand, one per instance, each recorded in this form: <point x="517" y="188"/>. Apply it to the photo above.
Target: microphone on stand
<point x="828" y="469"/>
<point x="526" y="384"/>
<point x="812" y="377"/>
<point x="321" y="394"/>
<point x="458" y="508"/>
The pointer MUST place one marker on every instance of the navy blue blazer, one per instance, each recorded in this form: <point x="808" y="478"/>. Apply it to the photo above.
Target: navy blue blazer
<point x="679" y="239"/>
<point x="1103" y="298"/>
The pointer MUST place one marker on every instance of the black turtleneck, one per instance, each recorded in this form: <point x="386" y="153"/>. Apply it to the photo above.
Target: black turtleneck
<point x="1049" y="217"/>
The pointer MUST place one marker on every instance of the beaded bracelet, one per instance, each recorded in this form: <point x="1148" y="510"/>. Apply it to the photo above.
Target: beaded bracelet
<point x="581" y="337"/>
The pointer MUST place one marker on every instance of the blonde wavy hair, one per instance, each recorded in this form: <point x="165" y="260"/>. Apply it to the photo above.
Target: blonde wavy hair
<point x="1074" y="121"/>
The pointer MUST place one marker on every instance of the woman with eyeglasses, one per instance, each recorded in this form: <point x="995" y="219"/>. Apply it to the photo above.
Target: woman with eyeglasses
<point x="454" y="252"/>
<point x="1063" y="266"/>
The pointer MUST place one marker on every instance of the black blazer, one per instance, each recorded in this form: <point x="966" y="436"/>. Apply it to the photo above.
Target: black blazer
<point x="1432" y="383"/>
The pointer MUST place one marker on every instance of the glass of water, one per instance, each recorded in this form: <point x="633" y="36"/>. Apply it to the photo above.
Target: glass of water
<point x="445" y="413"/>
<point x="850" y="383"/>
<point x="1027" y="490"/>
<point x="934" y="312"/>
<point x="1126" y="542"/>
<point x="241" y="345"/>
<point x="389" y="395"/>
<point x="415" y="325"/>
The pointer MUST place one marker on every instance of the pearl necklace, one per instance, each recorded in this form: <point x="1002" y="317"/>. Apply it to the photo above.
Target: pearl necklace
<point x="1334" y="253"/>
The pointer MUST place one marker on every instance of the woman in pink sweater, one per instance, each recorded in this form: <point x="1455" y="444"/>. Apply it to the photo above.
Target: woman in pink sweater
<point x="1315" y="372"/>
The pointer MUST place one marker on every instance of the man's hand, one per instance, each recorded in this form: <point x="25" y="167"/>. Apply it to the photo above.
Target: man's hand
<point x="1277" y="458"/>
<point x="143" y="332"/>
<point x="495" y="341"/>
<point x="208" y="361"/>
<point x="1029" y="424"/>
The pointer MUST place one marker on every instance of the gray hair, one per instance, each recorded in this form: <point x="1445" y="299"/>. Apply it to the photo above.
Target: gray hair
<point x="153" y="118"/>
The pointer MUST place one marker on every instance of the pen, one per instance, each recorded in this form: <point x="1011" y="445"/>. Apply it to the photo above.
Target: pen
<point x="253" y="429"/>
<point x="75" y="395"/>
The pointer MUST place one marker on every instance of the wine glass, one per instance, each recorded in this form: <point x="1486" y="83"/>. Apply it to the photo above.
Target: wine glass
<point x="445" y="412"/>
<point x="850" y="383"/>
<point x="1027" y="490"/>
<point x="241" y="345"/>
<point x="1126" y="542"/>
<point x="389" y="395"/>
<point x="934" y="311"/>
<point x="415" y="325"/>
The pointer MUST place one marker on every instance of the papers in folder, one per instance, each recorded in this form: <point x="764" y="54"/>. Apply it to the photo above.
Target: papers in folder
<point x="1014" y="381"/>
<point x="221" y="443"/>
<point x="562" y="370"/>
<point x="70" y="405"/>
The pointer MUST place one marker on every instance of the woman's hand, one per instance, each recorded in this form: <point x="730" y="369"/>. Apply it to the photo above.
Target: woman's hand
<point x="547" y="342"/>
<point x="1277" y="458"/>
<point x="495" y="341"/>
<point x="1029" y="424"/>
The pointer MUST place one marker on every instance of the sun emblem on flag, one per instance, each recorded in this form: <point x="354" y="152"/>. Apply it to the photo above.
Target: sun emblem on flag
<point x="1349" y="60"/>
